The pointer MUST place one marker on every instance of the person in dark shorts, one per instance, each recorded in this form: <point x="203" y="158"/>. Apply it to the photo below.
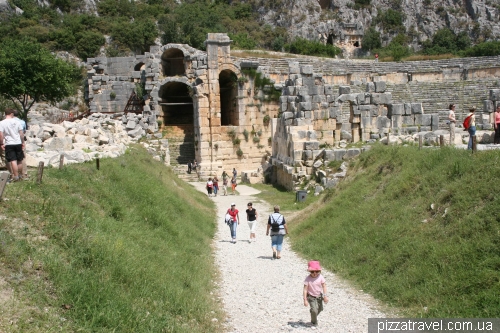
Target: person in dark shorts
<point x="12" y="140"/>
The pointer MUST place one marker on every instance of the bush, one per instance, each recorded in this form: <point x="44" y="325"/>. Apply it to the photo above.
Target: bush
<point x="315" y="48"/>
<point x="371" y="40"/>
<point x="484" y="49"/>
<point x="89" y="43"/>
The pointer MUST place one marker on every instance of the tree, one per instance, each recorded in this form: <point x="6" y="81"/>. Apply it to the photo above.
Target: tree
<point x="371" y="40"/>
<point x="29" y="73"/>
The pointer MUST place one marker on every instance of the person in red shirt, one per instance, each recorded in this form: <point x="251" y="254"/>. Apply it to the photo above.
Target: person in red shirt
<point x="235" y="220"/>
<point x="376" y="57"/>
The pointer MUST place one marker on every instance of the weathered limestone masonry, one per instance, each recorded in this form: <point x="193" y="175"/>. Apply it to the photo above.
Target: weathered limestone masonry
<point x="317" y="116"/>
<point x="210" y="101"/>
<point x="203" y="94"/>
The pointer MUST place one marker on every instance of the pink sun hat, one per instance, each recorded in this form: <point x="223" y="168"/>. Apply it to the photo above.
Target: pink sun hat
<point x="313" y="266"/>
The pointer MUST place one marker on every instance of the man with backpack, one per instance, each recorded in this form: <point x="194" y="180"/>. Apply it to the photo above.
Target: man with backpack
<point x="276" y="223"/>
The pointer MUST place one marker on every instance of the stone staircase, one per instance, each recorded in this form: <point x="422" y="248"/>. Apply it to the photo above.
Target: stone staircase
<point x="437" y="96"/>
<point x="182" y="149"/>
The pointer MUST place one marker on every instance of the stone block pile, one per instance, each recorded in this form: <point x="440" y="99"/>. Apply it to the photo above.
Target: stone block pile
<point x="98" y="136"/>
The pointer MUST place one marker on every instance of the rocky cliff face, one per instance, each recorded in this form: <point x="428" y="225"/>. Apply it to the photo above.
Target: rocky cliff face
<point x="340" y="20"/>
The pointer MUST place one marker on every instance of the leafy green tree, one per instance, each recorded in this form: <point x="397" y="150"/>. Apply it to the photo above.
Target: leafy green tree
<point x="29" y="73"/>
<point x="371" y="40"/>
<point x="484" y="49"/>
<point x="243" y="41"/>
<point x="307" y="47"/>
<point x="138" y="36"/>
<point x="446" y="41"/>
<point x="89" y="43"/>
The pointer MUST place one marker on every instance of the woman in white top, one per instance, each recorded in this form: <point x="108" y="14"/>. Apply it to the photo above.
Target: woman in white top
<point x="452" y="120"/>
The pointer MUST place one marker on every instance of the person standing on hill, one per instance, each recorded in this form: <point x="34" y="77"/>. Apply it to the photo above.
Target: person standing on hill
<point x="12" y="141"/>
<point x="277" y="225"/>
<point x="453" y="121"/>
<point x="252" y="221"/>
<point x="235" y="220"/>
<point x="472" y="127"/>
<point x="496" y="125"/>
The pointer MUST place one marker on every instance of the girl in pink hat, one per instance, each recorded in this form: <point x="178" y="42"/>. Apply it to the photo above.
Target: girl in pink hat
<point x="315" y="290"/>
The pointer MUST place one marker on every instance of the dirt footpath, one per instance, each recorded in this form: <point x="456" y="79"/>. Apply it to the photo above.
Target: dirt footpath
<point x="265" y="295"/>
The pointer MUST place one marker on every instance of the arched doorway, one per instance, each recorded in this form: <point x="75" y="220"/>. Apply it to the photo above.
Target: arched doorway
<point x="228" y="87"/>
<point x="177" y="103"/>
<point x="178" y="121"/>
<point x="172" y="61"/>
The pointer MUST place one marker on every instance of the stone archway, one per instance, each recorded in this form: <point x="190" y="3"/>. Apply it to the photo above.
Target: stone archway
<point x="228" y="88"/>
<point x="178" y="120"/>
<point x="173" y="62"/>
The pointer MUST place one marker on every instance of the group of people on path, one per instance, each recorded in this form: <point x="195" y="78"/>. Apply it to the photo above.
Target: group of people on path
<point x="12" y="139"/>
<point x="472" y="124"/>
<point x="314" y="290"/>
<point x="212" y="184"/>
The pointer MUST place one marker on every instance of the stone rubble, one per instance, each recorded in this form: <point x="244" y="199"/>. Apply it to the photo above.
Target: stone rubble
<point x="98" y="136"/>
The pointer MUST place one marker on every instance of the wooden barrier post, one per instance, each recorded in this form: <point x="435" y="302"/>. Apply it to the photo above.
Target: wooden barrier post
<point x="441" y="141"/>
<point x="40" y="173"/>
<point x="388" y="137"/>
<point x="4" y="176"/>
<point x="474" y="144"/>
<point x="61" y="161"/>
<point x="419" y="142"/>
<point x="97" y="163"/>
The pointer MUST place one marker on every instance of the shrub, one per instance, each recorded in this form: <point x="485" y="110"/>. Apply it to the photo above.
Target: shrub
<point x="239" y="153"/>
<point x="371" y="40"/>
<point x="266" y="120"/>
<point x="316" y="48"/>
<point x="256" y="139"/>
<point x="89" y="43"/>
<point x="245" y="134"/>
<point x="484" y="49"/>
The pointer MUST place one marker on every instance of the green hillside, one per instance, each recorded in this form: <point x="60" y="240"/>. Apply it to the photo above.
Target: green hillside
<point x="126" y="248"/>
<point x="418" y="229"/>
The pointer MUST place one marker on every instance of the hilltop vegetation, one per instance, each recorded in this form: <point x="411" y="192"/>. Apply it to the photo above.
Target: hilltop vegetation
<point x="418" y="229"/>
<point x="124" y="27"/>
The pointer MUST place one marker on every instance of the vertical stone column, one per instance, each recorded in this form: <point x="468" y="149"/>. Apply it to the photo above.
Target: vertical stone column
<point x="218" y="53"/>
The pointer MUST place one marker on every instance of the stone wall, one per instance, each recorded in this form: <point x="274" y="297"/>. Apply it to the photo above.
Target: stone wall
<point x="324" y="102"/>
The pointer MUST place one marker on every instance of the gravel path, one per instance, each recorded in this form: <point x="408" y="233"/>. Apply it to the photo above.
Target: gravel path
<point x="260" y="294"/>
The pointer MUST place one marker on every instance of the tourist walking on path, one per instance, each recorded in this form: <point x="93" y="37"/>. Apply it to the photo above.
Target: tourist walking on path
<point x="12" y="141"/>
<point x="452" y="120"/>
<point x="224" y="182"/>
<point x="252" y="221"/>
<point x="190" y="166"/>
<point x="276" y="223"/>
<point x="314" y="291"/>
<point x="235" y="220"/>
<point x="245" y="297"/>
<point x="210" y="186"/>
<point x="233" y="184"/>
<point x="496" y="124"/>
<point x="215" y="182"/>
<point x="472" y="127"/>
<point x="235" y="173"/>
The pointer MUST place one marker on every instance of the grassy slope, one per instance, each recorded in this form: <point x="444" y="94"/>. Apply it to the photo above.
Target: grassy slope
<point x="127" y="249"/>
<point x="379" y="230"/>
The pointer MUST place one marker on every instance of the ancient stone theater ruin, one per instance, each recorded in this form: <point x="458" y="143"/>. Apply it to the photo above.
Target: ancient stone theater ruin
<point x="254" y="113"/>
